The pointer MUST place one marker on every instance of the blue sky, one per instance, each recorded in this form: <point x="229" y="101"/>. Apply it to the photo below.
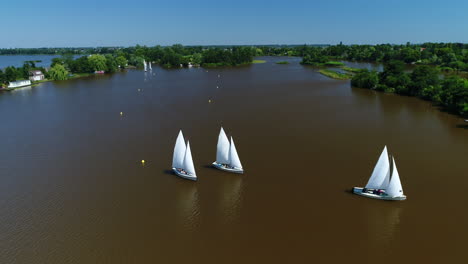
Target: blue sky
<point x="53" y="23"/>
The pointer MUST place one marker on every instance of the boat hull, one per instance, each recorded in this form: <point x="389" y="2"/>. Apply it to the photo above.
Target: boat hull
<point x="185" y="176"/>
<point x="220" y="167"/>
<point x="358" y="191"/>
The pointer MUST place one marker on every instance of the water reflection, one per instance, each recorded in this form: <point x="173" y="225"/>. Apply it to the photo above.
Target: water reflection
<point x="231" y="200"/>
<point x="187" y="205"/>
<point x="383" y="223"/>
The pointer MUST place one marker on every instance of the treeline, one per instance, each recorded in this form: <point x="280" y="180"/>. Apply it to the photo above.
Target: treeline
<point x="178" y="55"/>
<point x="64" y="67"/>
<point x="11" y="73"/>
<point x="447" y="56"/>
<point x="424" y="81"/>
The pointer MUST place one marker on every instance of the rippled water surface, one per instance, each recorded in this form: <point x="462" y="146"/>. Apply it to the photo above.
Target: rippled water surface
<point x="73" y="190"/>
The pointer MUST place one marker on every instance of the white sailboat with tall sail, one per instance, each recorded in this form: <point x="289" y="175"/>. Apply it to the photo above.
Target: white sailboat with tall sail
<point x="182" y="162"/>
<point x="149" y="66"/>
<point x="227" y="158"/>
<point x="144" y="65"/>
<point x="384" y="183"/>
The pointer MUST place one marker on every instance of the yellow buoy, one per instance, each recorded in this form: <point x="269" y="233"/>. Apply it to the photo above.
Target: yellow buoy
<point x="209" y="101"/>
<point x="121" y="113"/>
<point x="142" y="161"/>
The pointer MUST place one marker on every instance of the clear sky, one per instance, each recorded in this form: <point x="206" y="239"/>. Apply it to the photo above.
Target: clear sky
<point x="86" y="23"/>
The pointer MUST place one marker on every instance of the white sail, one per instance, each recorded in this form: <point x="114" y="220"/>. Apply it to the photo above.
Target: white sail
<point x="188" y="161"/>
<point x="222" y="149"/>
<point x="394" y="187"/>
<point x="179" y="152"/>
<point x="386" y="181"/>
<point x="233" y="157"/>
<point x="149" y="64"/>
<point x="380" y="171"/>
<point x="144" y="64"/>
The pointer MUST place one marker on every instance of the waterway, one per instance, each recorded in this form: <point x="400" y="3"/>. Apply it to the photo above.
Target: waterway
<point x="73" y="188"/>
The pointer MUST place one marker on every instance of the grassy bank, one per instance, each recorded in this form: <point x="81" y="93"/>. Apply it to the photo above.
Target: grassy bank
<point x="282" y="62"/>
<point x="258" y="61"/>
<point x="335" y="75"/>
<point x="351" y="69"/>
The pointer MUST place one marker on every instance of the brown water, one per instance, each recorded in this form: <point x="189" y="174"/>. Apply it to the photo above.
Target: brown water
<point x="73" y="190"/>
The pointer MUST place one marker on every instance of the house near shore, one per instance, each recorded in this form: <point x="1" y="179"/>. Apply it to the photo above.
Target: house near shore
<point x="21" y="83"/>
<point x="36" y="75"/>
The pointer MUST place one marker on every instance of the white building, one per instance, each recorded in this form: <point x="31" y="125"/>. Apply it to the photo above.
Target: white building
<point x="19" y="83"/>
<point x="36" y="75"/>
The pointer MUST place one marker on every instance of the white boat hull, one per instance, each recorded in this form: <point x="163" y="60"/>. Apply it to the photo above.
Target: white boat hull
<point x="358" y="191"/>
<point x="221" y="167"/>
<point x="185" y="176"/>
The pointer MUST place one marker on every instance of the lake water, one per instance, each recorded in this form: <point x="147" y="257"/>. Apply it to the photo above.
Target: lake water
<point x="18" y="60"/>
<point x="73" y="189"/>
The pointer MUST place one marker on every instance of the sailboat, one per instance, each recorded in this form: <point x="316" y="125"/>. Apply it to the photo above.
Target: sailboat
<point x="144" y="64"/>
<point x="384" y="183"/>
<point x="182" y="162"/>
<point x="149" y="65"/>
<point x="227" y="158"/>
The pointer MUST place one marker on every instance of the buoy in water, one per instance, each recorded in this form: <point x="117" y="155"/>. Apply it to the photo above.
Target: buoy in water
<point x="143" y="162"/>
<point x="121" y="113"/>
<point x="219" y="75"/>
<point x="209" y="101"/>
<point x="217" y="87"/>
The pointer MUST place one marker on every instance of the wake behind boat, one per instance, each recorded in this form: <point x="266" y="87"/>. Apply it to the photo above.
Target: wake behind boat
<point x="384" y="183"/>
<point x="182" y="162"/>
<point x="227" y="158"/>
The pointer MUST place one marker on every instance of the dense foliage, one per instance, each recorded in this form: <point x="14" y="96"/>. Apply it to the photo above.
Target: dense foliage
<point x="58" y="72"/>
<point x="424" y="82"/>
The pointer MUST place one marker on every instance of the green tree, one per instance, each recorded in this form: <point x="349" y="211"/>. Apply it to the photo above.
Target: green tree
<point x="2" y="78"/>
<point x="111" y="64"/>
<point x="454" y="94"/>
<point x="365" y="79"/>
<point x="97" y="62"/>
<point x="121" y="61"/>
<point x="423" y="77"/>
<point x="58" y="72"/>
<point x="10" y="74"/>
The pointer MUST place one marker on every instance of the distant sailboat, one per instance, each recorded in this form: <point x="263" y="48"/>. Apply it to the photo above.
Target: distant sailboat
<point x="144" y="65"/>
<point x="227" y="158"/>
<point x="182" y="162"/>
<point x="384" y="182"/>
<point x="149" y="65"/>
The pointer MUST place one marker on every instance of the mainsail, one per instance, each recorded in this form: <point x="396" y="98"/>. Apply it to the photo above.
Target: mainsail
<point x="188" y="161"/>
<point x="144" y="64"/>
<point x="233" y="157"/>
<point x="381" y="172"/>
<point x="222" y="149"/>
<point x="394" y="187"/>
<point x="149" y="64"/>
<point x="179" y="152"/>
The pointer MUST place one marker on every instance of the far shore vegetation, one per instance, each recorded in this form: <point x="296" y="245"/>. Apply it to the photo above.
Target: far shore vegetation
<point x="258" y="61"/>
<point x="439" y="72"/>
<point x="282" y="62"/>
